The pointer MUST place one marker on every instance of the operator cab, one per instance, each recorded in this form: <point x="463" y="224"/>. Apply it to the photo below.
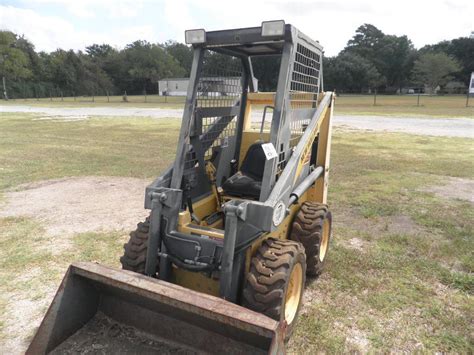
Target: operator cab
<point x="221" y="158"/>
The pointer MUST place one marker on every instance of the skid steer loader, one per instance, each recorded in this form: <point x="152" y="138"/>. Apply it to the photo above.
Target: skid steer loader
<point x="237" y="222"/>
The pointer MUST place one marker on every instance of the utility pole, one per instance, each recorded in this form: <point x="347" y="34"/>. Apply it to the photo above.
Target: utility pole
<point x="3" y="59"/>
<point x="5" y="96"/>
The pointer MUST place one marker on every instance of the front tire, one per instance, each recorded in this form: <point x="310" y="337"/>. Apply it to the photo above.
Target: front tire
<point x="312" y="228"/>
<point x="134" y="256"/>
<point x="275" y="282"/>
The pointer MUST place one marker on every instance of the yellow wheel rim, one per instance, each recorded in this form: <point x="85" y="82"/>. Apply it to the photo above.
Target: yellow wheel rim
<point x="293" y="293"/>
<point x="324" y="241"/>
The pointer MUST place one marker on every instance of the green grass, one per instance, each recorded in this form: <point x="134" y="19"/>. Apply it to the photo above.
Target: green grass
<point x="36" y="150"/>
<point x="386" y="105"/>
<point x="407" y="287"/>
<point x="31" y="264"/>
<point x="406" y="105"/>
<point x="410" y="286"/>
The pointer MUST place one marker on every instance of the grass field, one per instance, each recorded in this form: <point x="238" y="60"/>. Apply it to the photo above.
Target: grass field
<point x="400" y="271"/>
<point x="407" y="105"/>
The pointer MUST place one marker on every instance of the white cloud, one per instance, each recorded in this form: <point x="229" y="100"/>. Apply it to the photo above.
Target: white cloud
<point x="46" y="32"/>
<point x="94" y="8"/>
<point x="51" y="32"/>
<point x="179" y="17"/>
<point x="332" y="22"/>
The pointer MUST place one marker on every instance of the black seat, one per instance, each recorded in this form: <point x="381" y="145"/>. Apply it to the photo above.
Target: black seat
<point x="248" y="181"/>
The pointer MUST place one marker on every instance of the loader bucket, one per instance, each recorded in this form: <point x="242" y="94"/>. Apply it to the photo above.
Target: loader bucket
<point x="99" y="309"/>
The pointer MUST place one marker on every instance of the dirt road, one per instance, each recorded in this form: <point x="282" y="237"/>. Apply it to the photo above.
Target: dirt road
<point x="447" y="127"/>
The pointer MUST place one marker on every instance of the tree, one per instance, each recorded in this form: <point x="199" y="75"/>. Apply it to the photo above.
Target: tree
<point x="147" y="63"/>
<point x="434" y="69"/>
<point x="99" y="51"/>
<point x="371" y="59"/>
<point x="461" y="49"/>
<point x="96" y="61"/>
<point x="182" y="53"/>
<point x="350" y="72"/>
<point x="392" y="56"/>
<point x="394" y="60"/>
<point x="366" y="40"/>
<point x="14" y="64"/>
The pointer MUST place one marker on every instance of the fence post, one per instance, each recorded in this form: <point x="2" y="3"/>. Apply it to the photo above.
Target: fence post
<point x="375" y="96"/>
<point x="62" y="98"/>
<point x="467" y="98"/>
<point x="418" y="100"/>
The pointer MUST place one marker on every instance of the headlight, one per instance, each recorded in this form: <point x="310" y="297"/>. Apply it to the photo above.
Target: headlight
<point x="195" y="36"/>
<point x="273" y="28"/>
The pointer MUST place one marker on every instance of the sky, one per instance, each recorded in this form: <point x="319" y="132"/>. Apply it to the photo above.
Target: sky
<point x="75" y="24"/>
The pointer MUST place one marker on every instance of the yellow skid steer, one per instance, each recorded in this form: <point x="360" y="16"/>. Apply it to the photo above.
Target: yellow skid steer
<point x="237" y="222"/>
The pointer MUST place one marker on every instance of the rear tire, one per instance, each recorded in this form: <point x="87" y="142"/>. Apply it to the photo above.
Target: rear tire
<point x="134" y="257"/>
<point x="275" y="282"/>
<point x="312" y="228"/>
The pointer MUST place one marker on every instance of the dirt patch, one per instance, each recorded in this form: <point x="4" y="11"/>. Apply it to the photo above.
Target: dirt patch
<point x="64" y="207"/>
<point x="400" y="224"/>
<point x="375" y="226"/>
<point x="356" y="243"/>
<point x="455" y="188"/>
<point x="102" y="335"/>
<point x="312" y="297"/>
<point x="79" y="204"/>
<point x="357" y="340"/>
<point x="21" y="318"/>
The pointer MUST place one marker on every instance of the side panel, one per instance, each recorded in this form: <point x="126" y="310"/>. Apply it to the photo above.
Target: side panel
<point x="319" y="191"/>
<point x="283" y="232"/>
<point x="195" y="281"/>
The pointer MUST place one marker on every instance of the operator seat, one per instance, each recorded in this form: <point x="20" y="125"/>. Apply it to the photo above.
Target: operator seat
<point x="247" y="182"/>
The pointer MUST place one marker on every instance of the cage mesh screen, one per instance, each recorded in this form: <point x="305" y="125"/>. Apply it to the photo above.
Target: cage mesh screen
<point x="304" y="88"/>
<point x="227" y="126"/>
<point x="220" y="81"/>
<point x="219" y="85"/>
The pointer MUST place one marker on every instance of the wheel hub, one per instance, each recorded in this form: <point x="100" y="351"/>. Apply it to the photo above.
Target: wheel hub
<point x="324" y="240"/>
<point x="293" y="293"/>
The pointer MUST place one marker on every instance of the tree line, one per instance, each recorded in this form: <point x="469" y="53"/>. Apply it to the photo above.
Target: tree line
<point x="374" y="60"/>
<point x="370" y="60"/>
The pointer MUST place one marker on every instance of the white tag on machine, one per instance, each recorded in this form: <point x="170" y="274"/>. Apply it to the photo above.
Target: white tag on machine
<point x="269" y="150"/>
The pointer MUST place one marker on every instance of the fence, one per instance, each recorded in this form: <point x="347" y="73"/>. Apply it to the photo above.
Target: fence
<point x="356" y="102"/>
<point x="405" y="100"/>
<point x="104" y="99"/>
